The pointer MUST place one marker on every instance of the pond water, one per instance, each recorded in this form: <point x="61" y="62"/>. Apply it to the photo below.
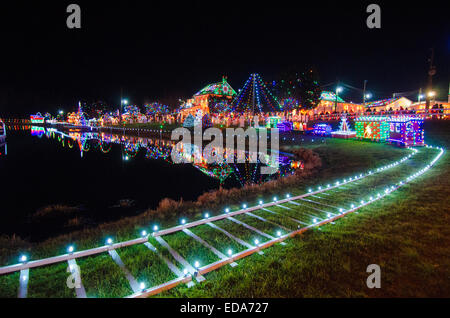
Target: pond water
<point x="100" y="176"/>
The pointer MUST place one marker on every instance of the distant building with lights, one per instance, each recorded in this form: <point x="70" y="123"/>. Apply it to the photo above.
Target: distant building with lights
<point x="208" y="97"/>
<point x="328" y="102"/>
<point x="394" y="104"/>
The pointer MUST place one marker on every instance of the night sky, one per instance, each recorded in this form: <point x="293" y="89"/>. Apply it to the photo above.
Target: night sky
<point x="169" y="49"/>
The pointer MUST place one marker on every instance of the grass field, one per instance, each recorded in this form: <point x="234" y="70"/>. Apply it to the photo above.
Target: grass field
<point x="406" y="233"/>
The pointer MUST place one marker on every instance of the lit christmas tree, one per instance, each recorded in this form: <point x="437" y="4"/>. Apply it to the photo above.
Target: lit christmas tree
<point x="255" y="97"/>
<point x="189" y="121"/>
<point x="344" y="126"/>
<point x="344" y="130"/>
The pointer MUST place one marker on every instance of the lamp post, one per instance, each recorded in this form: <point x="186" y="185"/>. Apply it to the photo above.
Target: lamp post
<point x="123" y="102"/>
<point x="366" y="97"/>
<point x="338" y="90"/>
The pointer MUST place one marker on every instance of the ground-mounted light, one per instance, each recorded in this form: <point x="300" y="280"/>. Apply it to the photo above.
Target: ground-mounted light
<point x="155" y="228"/>
<point x="197" y="264"/>
<point x="288" y="195"/>
<point x="142" y="286"/>
<point x="329" y="215"/>
<point x="275" y="199"/>
<point x="260" y="202"/>
<point x="227" y="210"/>
<point x="315" y="221"/>
<point x="352" y="206"/>
<point x="278" y="233"/>
<point x="362" y="202"/>
<point x="70" y="249"/>
<point x="23" y="258"/>
<point x="206" y="215"/>
<point x="183" y="221"/>
<point x="185" y="272"/>
<point x="320" y="188"/>
<point x="144" y="233"/>
<point x="244" y="206"/>
<point x="309" y="190"/>
<point x="230" y="252"/>
<point x="341" y="210"/>
<point x="109" y="241"/>
<point x="256" y="242"/>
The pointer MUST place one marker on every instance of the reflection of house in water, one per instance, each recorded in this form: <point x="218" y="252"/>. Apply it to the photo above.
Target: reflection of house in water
<point x="173" y="152"/>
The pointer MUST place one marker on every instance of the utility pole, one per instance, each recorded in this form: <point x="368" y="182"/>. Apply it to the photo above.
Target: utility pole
<point x="336" y="100"/>
<point x="431" y="73"/>
<point x="364" y="94"/>
<point x="120" y="107"/>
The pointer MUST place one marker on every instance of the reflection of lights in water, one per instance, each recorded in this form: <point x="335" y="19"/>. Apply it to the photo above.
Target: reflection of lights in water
<point x="245" y="173"/>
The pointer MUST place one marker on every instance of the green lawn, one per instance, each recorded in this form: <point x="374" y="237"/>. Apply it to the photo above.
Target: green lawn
<point x="406" y="233"/>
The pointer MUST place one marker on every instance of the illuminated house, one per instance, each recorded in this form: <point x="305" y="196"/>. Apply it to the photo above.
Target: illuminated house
<point x="206" y="99"/>
<point x="396" y="103"/>
<point x="372" y="128"/>
<point x="328" y="101"/>
<point x="406" y="131"/>
<point x="420" y="107"/>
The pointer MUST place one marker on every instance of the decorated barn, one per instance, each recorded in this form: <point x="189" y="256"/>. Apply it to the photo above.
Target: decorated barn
<point x="209" y="99"/>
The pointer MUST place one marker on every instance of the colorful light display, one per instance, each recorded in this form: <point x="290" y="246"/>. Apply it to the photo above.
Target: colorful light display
<point x="406" y="131"/>
<point x="156" y="109"/>
<point x="272" y="122"/>
<point x="322" y="129"/>
<point x="344" y="130"/>
<point x="255" y="97"/>
<point x="37" y="119"/>
<point x="285" y="126"/>
<point x="373" y="128"/>
<point x="299" y="126"/>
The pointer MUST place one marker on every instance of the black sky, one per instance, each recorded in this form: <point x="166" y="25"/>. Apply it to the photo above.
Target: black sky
<point x="160" y="49"/>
